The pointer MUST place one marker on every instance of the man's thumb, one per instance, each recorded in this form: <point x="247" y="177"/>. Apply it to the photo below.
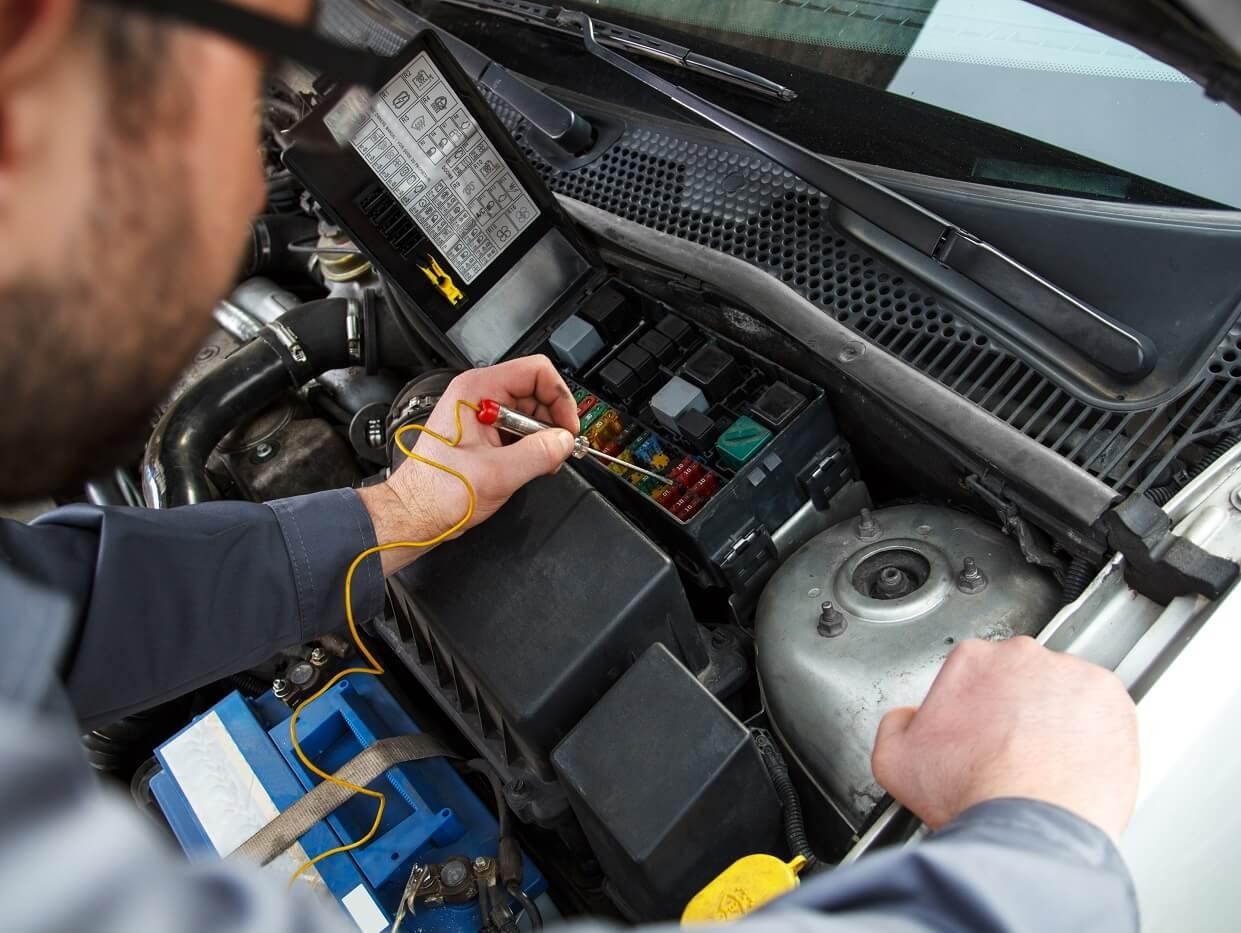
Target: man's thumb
<point x="886" y="759"/>
<point x="538" y="454"/>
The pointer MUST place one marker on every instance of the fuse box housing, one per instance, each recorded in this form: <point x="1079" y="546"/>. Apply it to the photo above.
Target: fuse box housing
<point x="760" y="441"/>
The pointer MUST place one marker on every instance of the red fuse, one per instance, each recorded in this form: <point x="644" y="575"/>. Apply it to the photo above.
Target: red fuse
<point x="611" y="448"/>
<point x="668" y="496"/>
<point x="692" y="473"/>
<point x="706" y="486"/>
<point x="674" y="474"/>
<point x="586" y="405"/>
<point x="691" y="507"/>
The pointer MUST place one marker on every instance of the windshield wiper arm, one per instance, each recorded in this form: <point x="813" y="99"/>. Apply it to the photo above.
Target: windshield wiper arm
<point x="1111" y="344"/>
<point x="637" y="43"/>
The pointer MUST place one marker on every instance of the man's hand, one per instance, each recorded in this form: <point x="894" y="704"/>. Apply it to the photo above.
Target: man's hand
<point x="1013" y="719"/>
<point x="419" y="502"/>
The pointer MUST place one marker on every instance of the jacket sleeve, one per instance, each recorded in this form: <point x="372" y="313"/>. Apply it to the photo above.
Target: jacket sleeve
<point x="1004" y="866"/>
<point x="166" y="601"/>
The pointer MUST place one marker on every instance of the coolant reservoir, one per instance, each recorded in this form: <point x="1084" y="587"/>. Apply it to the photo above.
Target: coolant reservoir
<point x="859" y="620"/>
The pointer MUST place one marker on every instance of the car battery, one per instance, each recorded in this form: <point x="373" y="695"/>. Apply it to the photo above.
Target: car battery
<point x="232" y="770"/>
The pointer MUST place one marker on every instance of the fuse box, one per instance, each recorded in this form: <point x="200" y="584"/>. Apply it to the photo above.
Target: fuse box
<point x="742" y="442"/>
<point x="436" y="193"/>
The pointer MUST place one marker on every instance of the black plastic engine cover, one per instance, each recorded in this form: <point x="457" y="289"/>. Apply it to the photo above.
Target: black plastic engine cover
<point x="668" y="786"/>
<point x="522" y="624"/>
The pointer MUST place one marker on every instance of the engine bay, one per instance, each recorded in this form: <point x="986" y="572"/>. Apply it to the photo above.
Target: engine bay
<point x="651" y="678"/>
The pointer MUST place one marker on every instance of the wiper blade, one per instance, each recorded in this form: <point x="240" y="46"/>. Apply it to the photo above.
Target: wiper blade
<point x="635" y="42"/>
<point x="1125" y="352"/>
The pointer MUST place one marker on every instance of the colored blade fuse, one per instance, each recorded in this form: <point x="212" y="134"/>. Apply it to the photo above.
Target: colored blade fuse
<point x="607" y="427"/>
<point x="584" y="405"/>
<point x="592" y="416"/>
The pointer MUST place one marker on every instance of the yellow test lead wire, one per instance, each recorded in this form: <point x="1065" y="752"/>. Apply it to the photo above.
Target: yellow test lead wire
<point x="375" y="667"/>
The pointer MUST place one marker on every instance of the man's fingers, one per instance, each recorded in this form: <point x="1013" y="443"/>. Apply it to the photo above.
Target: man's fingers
<point x="512" y="382"/>
<point x="886" y="758"/>
<point x="530" y="457"/>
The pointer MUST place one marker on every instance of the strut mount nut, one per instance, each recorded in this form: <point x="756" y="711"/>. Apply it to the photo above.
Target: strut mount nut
<point x="867" y="527"/>
<point x="971" y="579"/>
<point x="832" y="621"/>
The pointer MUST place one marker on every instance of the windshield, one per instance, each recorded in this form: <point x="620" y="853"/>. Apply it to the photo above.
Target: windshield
<point x="1007" y="63"/>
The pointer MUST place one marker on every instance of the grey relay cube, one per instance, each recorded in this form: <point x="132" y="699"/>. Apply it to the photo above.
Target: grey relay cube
<point x="576" y="342"/>
<point x="675" y="398"/>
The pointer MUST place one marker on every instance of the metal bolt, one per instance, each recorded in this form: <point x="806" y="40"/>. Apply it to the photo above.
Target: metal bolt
<point x="263" y="451"/>
<point x="867" y="527"/>
<point x="301" y="674"/>
<point x="893" y="583"/>
<point x="280" y="687"/>
<point x="482" y="863"/>
<point x="318" y="657"/>
<point x="971" y="578"/>
<point x="832" y="621"/>
<point x="453" y="873"/>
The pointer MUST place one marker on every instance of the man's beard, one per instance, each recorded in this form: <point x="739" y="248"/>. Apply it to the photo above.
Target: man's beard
<point x="85" y="358"/>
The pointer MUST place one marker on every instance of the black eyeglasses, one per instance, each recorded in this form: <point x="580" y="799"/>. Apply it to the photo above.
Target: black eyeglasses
<point x="305" y="44"/>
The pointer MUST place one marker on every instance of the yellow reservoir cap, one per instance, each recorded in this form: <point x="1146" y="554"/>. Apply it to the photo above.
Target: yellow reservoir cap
<point x="745" y="885"/>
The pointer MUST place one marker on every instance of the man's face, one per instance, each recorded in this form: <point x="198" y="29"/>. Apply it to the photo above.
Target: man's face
<point x="126" y="187"/>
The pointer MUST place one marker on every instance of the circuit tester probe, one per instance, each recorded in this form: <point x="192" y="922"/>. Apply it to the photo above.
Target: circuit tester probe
<point x="505" y="419"/>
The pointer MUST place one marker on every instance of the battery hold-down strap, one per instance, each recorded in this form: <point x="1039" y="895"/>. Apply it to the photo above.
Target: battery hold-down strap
<point x="283" y="831"/>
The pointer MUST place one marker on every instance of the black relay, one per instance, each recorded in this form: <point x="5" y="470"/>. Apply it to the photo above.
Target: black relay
<point x="714" y="370"/>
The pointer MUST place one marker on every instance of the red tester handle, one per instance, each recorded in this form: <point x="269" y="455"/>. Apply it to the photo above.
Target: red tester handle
<point x="488" y="411"/>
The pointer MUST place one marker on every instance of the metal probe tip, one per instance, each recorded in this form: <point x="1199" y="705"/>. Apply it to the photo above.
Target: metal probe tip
<point x="627" y="465"/>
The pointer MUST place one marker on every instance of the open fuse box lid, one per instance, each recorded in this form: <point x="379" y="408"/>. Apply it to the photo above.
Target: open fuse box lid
<point x="435" y="192"/>
<point x="433" y="189"/>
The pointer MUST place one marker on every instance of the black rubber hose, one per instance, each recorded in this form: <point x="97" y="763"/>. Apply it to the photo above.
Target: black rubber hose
<point x="1077" y="578"/>
<point x="790" y="803"/>
<point x="174" y="469"/>
<point x="270" y="238"/>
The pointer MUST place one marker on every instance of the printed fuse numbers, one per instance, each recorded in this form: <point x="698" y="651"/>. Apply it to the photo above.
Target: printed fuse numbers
<point x="428" y="151"/>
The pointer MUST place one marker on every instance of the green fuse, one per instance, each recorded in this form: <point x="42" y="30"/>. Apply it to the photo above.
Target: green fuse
<point x="592" y="416"/>
<point x="648" y="484"/>
<point x="742" y="440"/>
<point x="580" y="395"/>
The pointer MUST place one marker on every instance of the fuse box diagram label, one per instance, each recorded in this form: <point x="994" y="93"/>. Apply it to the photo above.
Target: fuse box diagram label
<point x="430" y="153"/>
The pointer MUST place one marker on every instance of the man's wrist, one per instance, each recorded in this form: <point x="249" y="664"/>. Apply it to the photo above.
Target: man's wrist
<point x="394" y="521"/>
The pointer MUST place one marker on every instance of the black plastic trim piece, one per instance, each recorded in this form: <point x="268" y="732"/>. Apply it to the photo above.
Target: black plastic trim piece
<point x="1159" y="564"/>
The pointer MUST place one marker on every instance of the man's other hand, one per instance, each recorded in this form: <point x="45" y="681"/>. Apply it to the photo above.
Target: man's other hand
<point x="1013" y="719"/>
<point x="419" y="502"/>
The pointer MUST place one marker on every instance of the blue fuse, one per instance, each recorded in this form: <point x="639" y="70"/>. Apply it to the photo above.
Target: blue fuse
<point x="649" y="451"/>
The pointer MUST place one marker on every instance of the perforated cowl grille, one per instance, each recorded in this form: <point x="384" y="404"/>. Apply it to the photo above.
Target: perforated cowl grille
<point x="739" y="203"/>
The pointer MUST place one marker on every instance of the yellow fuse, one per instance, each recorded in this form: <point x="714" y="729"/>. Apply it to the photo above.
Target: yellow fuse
<point x="442" y="280"/>
<point x="618" y="468"/>
<point x="744" y="886"/>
